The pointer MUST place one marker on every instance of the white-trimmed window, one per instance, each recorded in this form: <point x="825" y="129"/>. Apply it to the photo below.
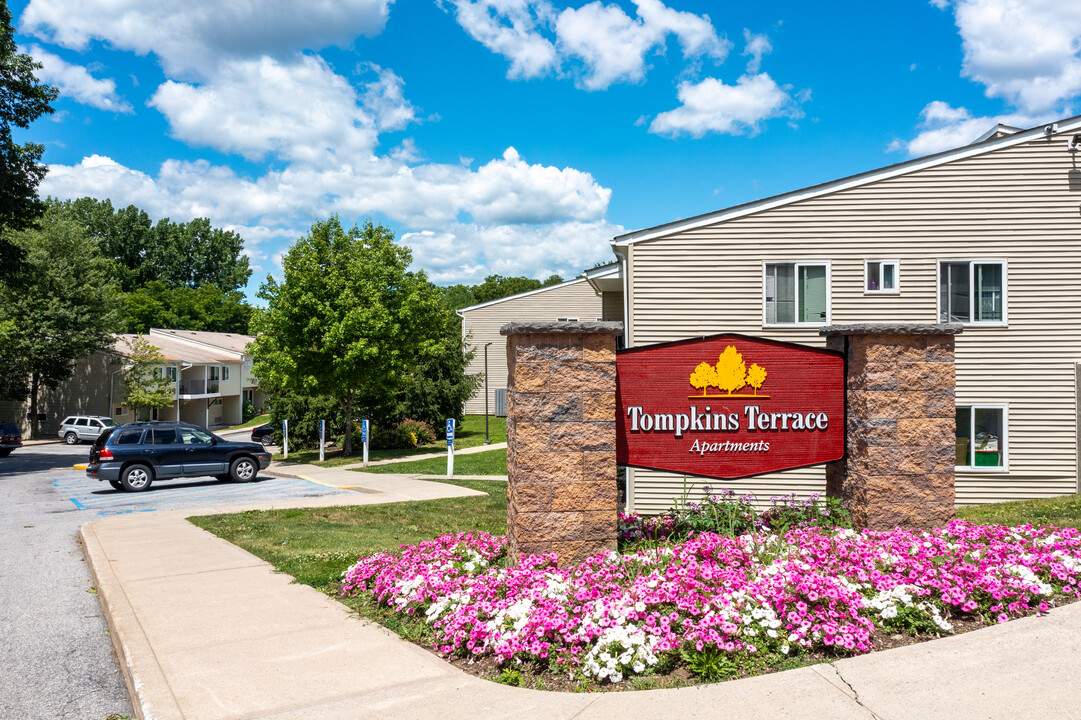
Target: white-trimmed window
<point x="972" y="292"/>
<point x="796" y="293"/>
<point x="882" y="276"/>
<point x="566" y="319"/>
<point x="224" y="372"/>
<point x="981" y="437"/>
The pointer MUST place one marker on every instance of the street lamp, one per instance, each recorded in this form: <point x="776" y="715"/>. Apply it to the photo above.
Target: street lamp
<point x="486" y="440"/>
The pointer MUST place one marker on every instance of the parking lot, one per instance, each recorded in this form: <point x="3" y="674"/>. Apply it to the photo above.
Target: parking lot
<point x="57" y="656"/>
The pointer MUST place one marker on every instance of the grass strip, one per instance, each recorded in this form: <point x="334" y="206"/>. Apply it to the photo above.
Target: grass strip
<point x="1064" y="511"/>
<point x="315" y="545"/>
<point x="493" y="462"/>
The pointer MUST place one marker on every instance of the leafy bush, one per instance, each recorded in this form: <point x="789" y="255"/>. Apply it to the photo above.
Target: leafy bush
<point x="248" y="411"/>
<point x="789" y="512"/>
<point x="422" y="432"/>
<point x="304" y="413"/>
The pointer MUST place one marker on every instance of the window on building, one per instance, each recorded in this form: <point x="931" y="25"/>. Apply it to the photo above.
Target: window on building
<point x="981" y="436"/>
<point x="972" y="291"/>
<point x="881" y="276"/>
<point x="797" y="293"/>
<point x="566" y="319"/>
<point x="215" y="372"/>
<point x="224" y="372"/>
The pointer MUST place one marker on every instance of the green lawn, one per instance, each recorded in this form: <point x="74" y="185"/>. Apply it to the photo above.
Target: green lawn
<point x="1062" y="511"/>
<point x="469" y="434"/>
<point x="316" y="544"/>
<point x="493" y="462"/>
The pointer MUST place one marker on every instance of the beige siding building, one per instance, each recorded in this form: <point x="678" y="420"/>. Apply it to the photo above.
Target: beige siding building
<point x="211" y="373"/>
<point x="988" y="235"/>
<point x="573" y="300"/>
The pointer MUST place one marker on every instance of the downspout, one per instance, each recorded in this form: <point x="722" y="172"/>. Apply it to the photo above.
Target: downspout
<point x="625" y="271"/>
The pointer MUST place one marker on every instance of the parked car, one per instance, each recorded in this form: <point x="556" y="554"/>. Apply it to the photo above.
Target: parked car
<point x="10" y="438"/>
<point x="76" y="428"/>
<point x="263" y="434"/>
<point x="132" y="456"/>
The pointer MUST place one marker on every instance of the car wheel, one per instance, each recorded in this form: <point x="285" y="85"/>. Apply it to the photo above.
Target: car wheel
<point x="243" y="469"/>
<point x="266" y="440"/>
<point x="136" y="478"/>
<point x="71" y="439"/>
<point x="117" y="485"/>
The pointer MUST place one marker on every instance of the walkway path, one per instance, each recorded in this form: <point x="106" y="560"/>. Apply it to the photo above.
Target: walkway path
<point x="207" y="631"/>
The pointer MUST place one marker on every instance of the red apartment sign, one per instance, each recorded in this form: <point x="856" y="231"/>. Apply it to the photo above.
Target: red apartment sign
<point x="729" y="406"/>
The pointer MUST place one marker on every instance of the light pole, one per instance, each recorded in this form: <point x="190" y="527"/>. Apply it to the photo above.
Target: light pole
<point x="486" y="440"/>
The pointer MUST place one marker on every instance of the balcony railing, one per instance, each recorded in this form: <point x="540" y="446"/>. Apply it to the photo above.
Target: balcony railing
<point x="199" y="387"/>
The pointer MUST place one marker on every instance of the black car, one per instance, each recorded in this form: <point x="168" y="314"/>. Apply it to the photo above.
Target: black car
<point x="132" y="456"/>
<point x="10" y="438"/>
<point x="263" y="434"/>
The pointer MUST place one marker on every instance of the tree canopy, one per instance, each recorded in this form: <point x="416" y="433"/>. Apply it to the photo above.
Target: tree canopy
<point x="145" y="387"/>
<point x="22" y="100"/>
<point x="348" y="320"/>
<point x="494" y="287"/>
<point x="60" y="300"/>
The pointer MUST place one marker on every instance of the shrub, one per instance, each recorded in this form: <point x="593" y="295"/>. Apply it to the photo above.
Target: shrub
<point x="422" y="432"/>
<point x="789" y="512"/>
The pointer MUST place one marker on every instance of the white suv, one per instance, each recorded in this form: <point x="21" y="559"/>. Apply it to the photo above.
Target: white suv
<point x="84" y="427"/>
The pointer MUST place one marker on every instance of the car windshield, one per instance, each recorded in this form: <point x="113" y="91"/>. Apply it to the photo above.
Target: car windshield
<point x="109" y="422"/>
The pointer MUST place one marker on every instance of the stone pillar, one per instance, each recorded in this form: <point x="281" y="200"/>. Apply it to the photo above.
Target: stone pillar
<point x="561" y="438"/>
<point x="900" y="441"/>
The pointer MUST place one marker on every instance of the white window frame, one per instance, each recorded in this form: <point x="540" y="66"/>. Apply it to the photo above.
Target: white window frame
<point x="972" y="263"/>
<point x="797" y="264"/>
<point x="895" y="290"/>
<point x="1004" y="441"/>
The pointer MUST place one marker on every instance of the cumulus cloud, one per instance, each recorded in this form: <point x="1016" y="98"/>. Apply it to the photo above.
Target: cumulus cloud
<point x="1027" y="52"/>
<point x="511" y="28"/>
<point x="944" y="127"/>
<point x="493" y="212"/>
<point x="195" y="36"/>
<point x="600" y="43"/>
<point x="756" y="47"/>
<point x="712" y="106"/>
<point x="298" y="110"/>
<point x="76" y="82"/>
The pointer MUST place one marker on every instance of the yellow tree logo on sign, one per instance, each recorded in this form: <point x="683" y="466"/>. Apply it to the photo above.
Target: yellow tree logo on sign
<point x="729" y="374"/>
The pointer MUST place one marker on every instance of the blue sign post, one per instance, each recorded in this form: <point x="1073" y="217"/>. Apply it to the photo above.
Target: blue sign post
<point x="450" y="447"/>
<point x="364" y="438"/>
<point x="285" y="439"/>
<point x="322" y="438"/>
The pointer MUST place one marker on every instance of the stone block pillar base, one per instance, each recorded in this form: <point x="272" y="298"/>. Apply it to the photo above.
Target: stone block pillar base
<point x="901" y="442"/>
<point x="561" y="439"/>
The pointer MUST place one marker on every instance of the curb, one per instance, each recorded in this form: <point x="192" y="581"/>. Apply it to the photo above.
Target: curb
<point x="138" y="663"/>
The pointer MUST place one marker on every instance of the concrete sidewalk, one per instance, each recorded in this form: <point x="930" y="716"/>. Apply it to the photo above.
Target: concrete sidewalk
<point x="206" y="631"/>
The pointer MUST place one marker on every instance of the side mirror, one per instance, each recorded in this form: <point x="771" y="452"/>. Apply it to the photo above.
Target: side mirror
<point x="213" y="441"/>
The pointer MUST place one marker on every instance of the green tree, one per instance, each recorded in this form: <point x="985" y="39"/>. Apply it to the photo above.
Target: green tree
<point x="145" y="385"/>
<point x="456" y="297"/>
<point x="165" y="306"/>
<point x="349" y="320"/>
<point x="22" y="100"/>
<point x="61" y="300"/>
<point x="495" y="287"/>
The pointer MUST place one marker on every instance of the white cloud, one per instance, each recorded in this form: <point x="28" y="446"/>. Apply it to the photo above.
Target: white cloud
<point x="76" y="82"/>
<point x="712" y="106"/>
<point x="613" y="47"/>
<point x="299" y="110"/>
<point x="757" y="46"/>
<point x="609" y="45"/>
<point x="1027" y="52"/>
<point x="196" y="35"/>
<point x="511" y="29"/>
<point x="519" y="217"/>
<point x="943" y="127"/>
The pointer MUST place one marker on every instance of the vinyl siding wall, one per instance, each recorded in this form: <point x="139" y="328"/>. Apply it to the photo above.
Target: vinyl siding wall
<point x="1015" y="204"/>
<point x="575" y="299"/>
<point x="612" y="306"/>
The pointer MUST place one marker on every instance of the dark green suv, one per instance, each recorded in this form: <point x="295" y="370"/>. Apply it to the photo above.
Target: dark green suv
<point x="132" y="456"/>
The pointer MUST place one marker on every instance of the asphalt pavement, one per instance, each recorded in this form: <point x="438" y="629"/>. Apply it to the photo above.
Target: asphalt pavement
<point x="56" y="654"/>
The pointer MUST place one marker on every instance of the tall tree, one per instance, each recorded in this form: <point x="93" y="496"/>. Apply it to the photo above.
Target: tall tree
<point x="495" y="287"/>
<point x="22" y="100"/>
<point x="145" y="385"/>
<point x="348" y="320"/>
<point x="183" y="308"/>
<point x="62" y="302"/>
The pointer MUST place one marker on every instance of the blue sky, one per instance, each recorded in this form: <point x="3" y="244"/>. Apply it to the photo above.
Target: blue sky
<point x="517" y="137"/>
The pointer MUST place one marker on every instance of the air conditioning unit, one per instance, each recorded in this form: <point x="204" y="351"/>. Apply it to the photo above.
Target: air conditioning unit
<point x="501" y="402"/>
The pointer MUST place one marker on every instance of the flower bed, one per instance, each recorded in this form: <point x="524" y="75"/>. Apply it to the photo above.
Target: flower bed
<point x="717" y="605"/>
